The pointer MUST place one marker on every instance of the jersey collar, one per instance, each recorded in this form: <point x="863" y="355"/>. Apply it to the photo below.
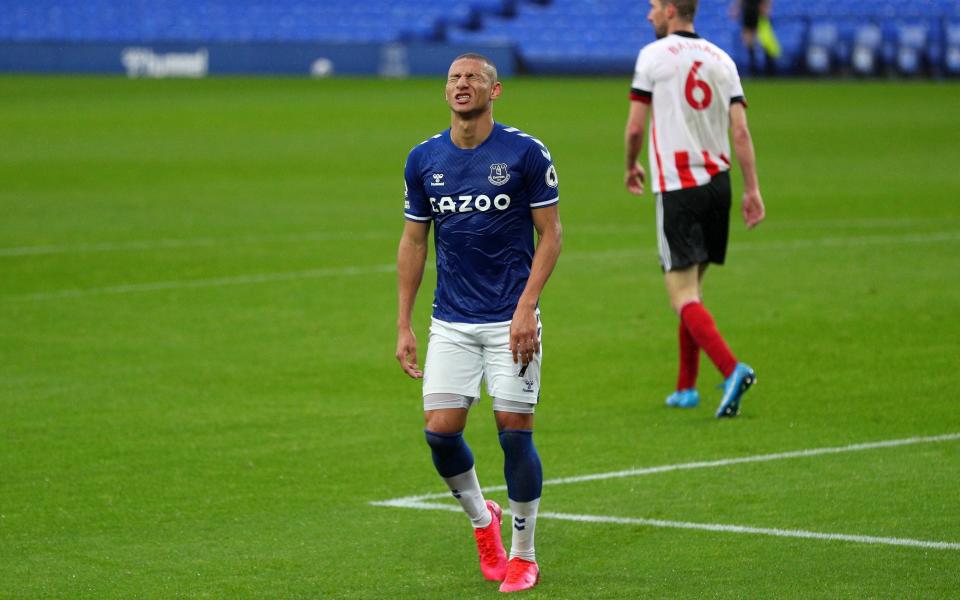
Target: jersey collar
<point x="493" y="133"/>
<point x="686" y="34"/>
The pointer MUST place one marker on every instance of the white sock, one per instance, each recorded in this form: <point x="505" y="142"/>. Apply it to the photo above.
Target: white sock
<point x="465" y="487"/>
<point x="524" y="524"/>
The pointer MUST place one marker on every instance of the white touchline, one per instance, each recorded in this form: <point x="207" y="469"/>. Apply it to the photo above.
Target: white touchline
<point x="324" y="236"/>
<point x="720" y="463"/>
<point x="827" y="242"/>
<point x="175" y="243"/>
<point x="933" y="237"/>
<point x="420" y="502"/>
<point x="206" y="283"/>
<point x="795" y="533"/>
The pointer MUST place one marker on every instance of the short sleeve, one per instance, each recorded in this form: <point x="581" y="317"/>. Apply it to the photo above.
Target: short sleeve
<point x="736" y="86"/>
<point x="416" y="206"/>
<point x="641" y="89"/>
<point x="540" y="175"/>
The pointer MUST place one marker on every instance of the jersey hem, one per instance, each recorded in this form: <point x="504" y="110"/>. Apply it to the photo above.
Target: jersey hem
<point x="452" y="322"/>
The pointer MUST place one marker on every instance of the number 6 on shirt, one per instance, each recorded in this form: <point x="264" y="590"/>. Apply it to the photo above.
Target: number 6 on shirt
<point x="706" y="94"/>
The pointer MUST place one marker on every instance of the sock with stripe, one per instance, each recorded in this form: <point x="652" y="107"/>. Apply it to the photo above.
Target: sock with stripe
<point x="703" y="330"/>
<point x="454" y="462"/>
<point x="689" y="360"/>
<point x="524" y="475"/>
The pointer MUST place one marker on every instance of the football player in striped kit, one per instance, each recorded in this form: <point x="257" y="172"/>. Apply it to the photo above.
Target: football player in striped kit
<point x="692" y="93"/>
<point x="485" y="188"/>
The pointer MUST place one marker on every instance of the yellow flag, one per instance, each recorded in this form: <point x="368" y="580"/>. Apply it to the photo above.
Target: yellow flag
<point x="767" y="38"/>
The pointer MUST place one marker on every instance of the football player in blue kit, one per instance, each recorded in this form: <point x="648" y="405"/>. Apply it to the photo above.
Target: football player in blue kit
<point x="484" y="187"/>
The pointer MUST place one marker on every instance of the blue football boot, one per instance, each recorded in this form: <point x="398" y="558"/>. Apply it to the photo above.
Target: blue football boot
<point x="688" y="398"/>
<point x="733" y="390"/>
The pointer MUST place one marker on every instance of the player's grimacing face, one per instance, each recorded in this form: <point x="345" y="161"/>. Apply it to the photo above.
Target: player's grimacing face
<point x="469" y="86"/>
<point x="658" y="18"/>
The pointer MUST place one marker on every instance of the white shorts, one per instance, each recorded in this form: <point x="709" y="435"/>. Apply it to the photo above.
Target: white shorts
<point x="460" y="355"/>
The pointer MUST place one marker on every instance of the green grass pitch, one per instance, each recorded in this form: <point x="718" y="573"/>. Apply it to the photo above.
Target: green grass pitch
<point x="198" y="395"/>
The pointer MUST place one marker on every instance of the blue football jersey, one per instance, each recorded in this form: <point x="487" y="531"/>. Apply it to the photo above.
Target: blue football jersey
<point x="481" y="202"/>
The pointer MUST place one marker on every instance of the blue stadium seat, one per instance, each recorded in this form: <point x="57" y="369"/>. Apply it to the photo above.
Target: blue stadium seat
<point x="823" y="40"/>
<point x="951" y="47"/>
<point x="823" y="35"/>
<point x="911" y="42"/>
<point x="792" y="34"/>
<point x="867" y="49"/>
<point x="234" y="20"/>
<point x="951" y="54"/>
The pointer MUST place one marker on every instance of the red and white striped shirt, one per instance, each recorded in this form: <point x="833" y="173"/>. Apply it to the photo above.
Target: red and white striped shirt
<point x="690" y="83"/>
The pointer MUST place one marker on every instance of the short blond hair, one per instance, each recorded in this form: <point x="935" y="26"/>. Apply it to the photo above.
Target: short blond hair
<point x="488" y="67"/>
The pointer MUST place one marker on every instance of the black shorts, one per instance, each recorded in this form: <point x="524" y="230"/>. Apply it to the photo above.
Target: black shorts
<point x="751" y="16"/>
<point x="693" y="224"/>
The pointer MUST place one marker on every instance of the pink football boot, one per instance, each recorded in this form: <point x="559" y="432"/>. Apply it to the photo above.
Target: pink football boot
<point x="521" y="575"/>
<point x="493" y="558"/>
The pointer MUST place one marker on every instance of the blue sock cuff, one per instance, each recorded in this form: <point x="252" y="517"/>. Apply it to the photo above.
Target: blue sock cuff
<point x="521" y="465"/>
<point x="451" y="454"/>
<point x="456" y="434"/>
<point x="516" y="440"/>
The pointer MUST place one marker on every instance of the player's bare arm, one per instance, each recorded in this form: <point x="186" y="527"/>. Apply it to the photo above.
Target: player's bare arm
<point x="633" y="144"/>
<point x="411" y="258"/>
<point x="753" y="210"/>
<point x="524" y="342"/>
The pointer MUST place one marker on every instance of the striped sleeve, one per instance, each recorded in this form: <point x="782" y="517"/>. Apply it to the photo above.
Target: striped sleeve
<point x="540" y="175"/>
<point x="416" y="205"/>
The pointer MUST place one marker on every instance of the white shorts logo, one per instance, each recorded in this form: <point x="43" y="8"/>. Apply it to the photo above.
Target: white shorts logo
<point x="453" y="365"/>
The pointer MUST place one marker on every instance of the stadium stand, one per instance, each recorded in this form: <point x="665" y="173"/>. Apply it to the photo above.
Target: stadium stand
<point x="951" y="61"/>
<point x="823" y="47"/>
<point x="865" y="58"/>
<point x="819" y="37"/>
<point x="143" y="21"/>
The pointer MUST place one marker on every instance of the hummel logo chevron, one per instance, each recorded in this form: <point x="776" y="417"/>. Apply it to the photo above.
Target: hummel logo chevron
<point x="519" y="524"/>
<point x="456" y="494"/>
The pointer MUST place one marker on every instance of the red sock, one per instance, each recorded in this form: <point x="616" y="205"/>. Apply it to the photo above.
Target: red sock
<point x="689" y="360"/>
<point x="700" y="324"/>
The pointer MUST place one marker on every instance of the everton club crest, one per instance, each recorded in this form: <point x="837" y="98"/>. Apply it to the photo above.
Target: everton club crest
<point x="499" y="174"/>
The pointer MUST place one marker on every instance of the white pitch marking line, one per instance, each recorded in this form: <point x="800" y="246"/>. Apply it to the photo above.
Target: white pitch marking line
<point x="355" y="270"/>
<point x="419" y="502"/>
<point x="203" y="283"/>
<point x="828" y="242"/>
<point x="715" y="463"/>
<point x="321" y="236"/>
<point x="174" y="243"/>
<point x="794" y="533"/>
<point x="791" y="533"/>
<point x="795" y="224"/>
